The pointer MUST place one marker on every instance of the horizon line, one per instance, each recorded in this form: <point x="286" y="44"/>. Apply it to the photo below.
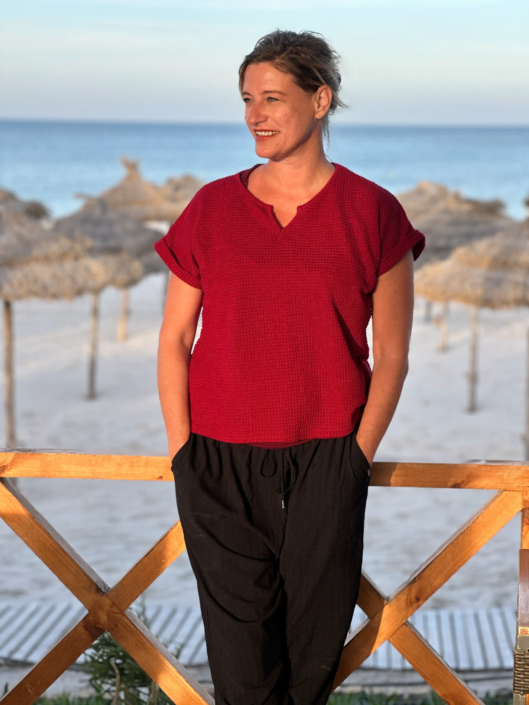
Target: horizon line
<point x="226" y="123"/>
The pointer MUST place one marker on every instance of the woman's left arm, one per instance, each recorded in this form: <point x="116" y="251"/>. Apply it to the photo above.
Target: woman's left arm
<point x="392" y="323"/>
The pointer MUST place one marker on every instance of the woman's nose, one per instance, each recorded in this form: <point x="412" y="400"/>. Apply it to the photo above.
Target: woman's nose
<point x="255" y="114"/>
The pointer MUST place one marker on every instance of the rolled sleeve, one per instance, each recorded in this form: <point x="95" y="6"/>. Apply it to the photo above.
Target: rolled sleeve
<point x="397" y="234"/>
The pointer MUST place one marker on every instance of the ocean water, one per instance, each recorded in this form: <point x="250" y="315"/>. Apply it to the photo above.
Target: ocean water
<point x="52" y="161"/>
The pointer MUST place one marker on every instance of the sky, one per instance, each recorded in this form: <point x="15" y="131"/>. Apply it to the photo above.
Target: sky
<point x="428" y="62"/>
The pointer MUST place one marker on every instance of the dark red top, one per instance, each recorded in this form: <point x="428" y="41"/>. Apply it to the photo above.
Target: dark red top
<point x="282" y="357"/>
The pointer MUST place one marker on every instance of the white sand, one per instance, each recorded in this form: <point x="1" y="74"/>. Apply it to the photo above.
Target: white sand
<point x="112" y="523"/>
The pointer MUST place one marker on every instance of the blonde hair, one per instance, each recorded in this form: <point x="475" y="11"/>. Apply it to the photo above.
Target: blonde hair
<point x="307" y="57"/>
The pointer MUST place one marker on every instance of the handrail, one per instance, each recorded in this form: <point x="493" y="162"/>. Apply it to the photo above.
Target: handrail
<point x="388" y="616"/>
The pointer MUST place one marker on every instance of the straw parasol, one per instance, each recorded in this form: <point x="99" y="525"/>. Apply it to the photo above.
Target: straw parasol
<point x="111" y="231"/>
<point x="449" y="220"/>
<point x="32" y="209"/>
<point x="143" y="199"/>
<point x="490" y="273"/>
<point x="35" y="262"/>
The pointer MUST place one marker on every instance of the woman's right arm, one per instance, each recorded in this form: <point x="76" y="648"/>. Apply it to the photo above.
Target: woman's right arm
<point x="177" y="334"/>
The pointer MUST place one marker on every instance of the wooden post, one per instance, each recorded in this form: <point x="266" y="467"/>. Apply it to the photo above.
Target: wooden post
<point x="427" y="311"/>
<point x="443" y="327"/>
<point x="9" y="382"/>
<point x="94" y="325"/>
<point x="473" y="372"/>
<point x="123" y="315"/>
<point x="521" y="649"/>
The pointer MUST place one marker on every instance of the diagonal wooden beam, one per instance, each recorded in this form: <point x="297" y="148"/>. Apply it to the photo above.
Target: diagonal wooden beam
<point x="446" y="561"/>
<point x="418" y="652"/>
<point x="106" y="608"/>
<point x="85" y="632"/>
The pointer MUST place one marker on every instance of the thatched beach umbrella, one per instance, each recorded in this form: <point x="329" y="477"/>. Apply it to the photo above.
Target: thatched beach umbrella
<point x="139" y="197"/>
<point x="111" y="231"/>
<point x="157" y="206"/>
<point x="31" y="209"/>
<point x="22" y="240"/>
<point x="449" y="220"/>
<point x="491" y="273"/>
<point x="35" y="262"/>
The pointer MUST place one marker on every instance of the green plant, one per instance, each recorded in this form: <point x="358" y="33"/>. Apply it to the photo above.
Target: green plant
<point x="116" y="677"/>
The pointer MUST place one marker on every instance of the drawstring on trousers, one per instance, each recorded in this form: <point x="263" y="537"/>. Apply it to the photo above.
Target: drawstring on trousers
<point x="287" y="455"/>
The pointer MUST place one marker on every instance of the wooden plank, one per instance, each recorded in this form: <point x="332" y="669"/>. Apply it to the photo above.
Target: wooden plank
<point x="193" y="637"/>
<point x="507" y="475"/>
<point x="509" y="620"/>
<point x="475" y="646"/>
<point x="432" y="632"/>
<point x="162" y="620"/>
<point x="87" y="586"/>
<point x="27" y="638"/>
<point x="433" y="668"/>
<point x="492" y="650"/>
<point x="447" y="638"/>
<point x="21" y="618"/>
<point x="70" y="616"/>
<point x="446" y="561"/>
<point x="461" y="641"/>
<point x="181" y="618"/>
<point x="504" y="643"/>
<point x="430" y="665"/>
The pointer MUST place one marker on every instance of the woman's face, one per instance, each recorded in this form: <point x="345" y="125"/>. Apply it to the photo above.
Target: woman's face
<point x="281" y="116"/>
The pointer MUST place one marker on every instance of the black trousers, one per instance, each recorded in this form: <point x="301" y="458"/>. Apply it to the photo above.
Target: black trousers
<point x="275" y="539"/>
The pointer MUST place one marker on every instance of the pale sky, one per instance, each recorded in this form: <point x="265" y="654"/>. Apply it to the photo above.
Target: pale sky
<point x="430" y="62"/>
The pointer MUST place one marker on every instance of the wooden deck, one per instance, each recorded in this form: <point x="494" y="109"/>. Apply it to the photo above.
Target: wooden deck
<point x="467" y="639"/>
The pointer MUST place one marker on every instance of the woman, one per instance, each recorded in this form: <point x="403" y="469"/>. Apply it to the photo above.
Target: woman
<point x="270" y="426"/>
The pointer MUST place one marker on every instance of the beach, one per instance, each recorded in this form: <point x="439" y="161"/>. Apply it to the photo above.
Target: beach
<point x="113" y="523"/>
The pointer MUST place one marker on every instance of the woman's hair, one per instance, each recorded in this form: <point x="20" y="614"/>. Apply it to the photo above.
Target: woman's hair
<point x="306" y="56"/>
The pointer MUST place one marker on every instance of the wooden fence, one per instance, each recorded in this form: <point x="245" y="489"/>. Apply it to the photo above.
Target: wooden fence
<point x="108" y="607"/>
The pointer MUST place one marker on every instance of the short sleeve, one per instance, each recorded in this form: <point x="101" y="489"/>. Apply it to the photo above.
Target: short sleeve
<point x="176" y="248"/>
<point x="397" y="234"/>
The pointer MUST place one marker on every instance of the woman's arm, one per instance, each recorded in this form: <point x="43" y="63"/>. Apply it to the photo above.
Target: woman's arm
<point x="177" y="334"/>
<point x="392" y="323"/>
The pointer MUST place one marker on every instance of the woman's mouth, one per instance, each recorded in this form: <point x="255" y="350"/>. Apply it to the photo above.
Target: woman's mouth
<point x="265" y="134"/>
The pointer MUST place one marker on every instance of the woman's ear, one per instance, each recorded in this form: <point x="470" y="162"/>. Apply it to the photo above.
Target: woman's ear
<point x="322" y="101"/>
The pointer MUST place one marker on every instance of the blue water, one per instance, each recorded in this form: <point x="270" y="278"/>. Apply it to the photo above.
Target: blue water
<point x="51" y="161"/>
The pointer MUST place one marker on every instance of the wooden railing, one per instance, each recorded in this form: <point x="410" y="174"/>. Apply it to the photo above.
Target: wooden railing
<point x="108" y="607"/>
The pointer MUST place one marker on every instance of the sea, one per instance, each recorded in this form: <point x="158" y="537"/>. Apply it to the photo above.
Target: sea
<point x="52" y="161"/>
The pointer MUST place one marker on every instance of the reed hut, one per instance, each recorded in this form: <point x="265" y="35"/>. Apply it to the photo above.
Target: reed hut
<point x="112" y="231"/>
<point x="35" y="262"/>
<point x="490" y="273"/>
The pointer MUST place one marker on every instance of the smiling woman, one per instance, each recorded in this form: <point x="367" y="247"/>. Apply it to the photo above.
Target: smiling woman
<point x="274" y="419"/>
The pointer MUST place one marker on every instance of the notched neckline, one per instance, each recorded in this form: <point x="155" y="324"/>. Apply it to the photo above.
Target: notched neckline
<point x="270" y="208"/>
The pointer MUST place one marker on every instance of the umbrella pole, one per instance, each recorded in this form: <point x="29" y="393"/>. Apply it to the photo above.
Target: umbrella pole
<point x="9" y="384"/>
<point x="427" y="311"/>
<point x="443" y="327"/>
<point x="165" y="288"/>
<point x="94" y="321"/>
<point x="123" y="315"/>
<point x="473" y="372"/>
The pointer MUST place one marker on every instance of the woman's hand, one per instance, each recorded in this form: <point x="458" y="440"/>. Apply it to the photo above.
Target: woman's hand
<point x="175" y="446"/>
